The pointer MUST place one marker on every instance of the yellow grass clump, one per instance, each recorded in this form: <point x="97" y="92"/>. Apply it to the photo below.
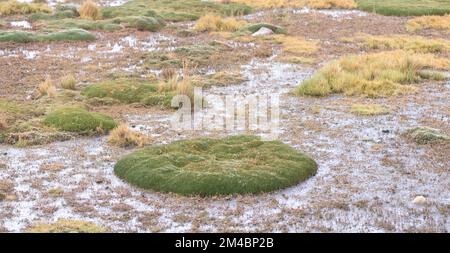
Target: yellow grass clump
<point x="368" y="109"/>
<point x="13" y="7"/>
<point x="3" y="124"/>
<point x="90" y="10"/>
<point x="329" y="4"/>
<point x="296" y="45"/>
<point x="317" y="4"/>
<point x="414" y="43"/>
<point x="373" y="75"/>
<point x="122" y="136"/>
<point x="68" y="82"/>
<point x="47" y="88"/>
<point x="424" y="22"/>
<point x="210" y="23"/>
<point x="66" y="226"/>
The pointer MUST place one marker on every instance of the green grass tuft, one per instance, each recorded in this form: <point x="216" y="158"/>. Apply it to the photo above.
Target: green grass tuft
<point x="207" y="167"/>
<point x="78" y="120"/>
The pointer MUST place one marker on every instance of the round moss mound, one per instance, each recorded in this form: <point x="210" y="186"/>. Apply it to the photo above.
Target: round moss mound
<point x="206" y="167"/>
<point x="78" y="120"/>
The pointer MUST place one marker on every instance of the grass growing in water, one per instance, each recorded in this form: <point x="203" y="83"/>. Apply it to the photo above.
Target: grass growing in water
<point x="374" y="75"/>
<point x="123" y="136"/>
<point x="207" y="167"/>
<point x="26" y="37"/>
<point x="405" y="7"/>
<point x="78" y="120"/>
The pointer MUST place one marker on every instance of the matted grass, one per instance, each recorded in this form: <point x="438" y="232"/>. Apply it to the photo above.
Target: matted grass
<point x="368" y="109"/>
<point x="405" y="7"/>
<point x="206" y="167"/>
<point x="426" y="135"/>
<point x="26" y="37"/>
<point x="374" y="75"/>
<point x="66" y="226"/>
<point x="429" y="22"/>
<point x="415" y="43"/>
<point x="211" y="23"/>
<point x="78" y="120"/>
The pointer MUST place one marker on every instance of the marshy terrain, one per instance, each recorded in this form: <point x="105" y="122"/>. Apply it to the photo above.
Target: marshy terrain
<point x="86" y="107"/>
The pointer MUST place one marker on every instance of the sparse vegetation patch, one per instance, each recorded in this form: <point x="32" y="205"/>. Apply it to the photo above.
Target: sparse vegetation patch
<point x="66" y="226"/>
<point x="426" y="135"/>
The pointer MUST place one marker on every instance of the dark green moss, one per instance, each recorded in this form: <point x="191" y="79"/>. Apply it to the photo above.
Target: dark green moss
<point x="206" y="167"/>
<point x="78" y="120"/>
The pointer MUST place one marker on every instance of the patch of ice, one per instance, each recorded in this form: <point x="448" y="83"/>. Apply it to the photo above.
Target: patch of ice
<point x="29" y="55"/>
<point x="23" y="24"/>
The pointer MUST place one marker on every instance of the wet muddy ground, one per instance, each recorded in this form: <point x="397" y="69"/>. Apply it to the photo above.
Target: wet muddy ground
<point x="368" y="172"/>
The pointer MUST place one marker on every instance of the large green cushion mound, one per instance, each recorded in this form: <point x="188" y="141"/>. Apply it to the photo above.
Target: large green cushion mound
<point x="238" y="164"/>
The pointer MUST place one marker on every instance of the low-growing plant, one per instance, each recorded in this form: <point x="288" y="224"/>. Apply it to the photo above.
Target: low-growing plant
<point x="123" y="136"/>
<point x="26" y="37"/>
<point x="68" y="82"/>
<point x="374" y="75"/>
<point x="90" y="10"/>
<point x="296" y="45"/>
<point x="210" y="23"/>
<point x="78" y="120"/>
<point x="426" y="22"/>
<point x="66" y="226"/>
<point x="317" y="4"/>
<point x="47" y="88"/>
<point x="207" y="167"/>
<point x="405" y="7"/>
<point x="368" y="109"/>
<point x="12" y="7"/>
<point x="427" y="135"/>
<point x="414" y="43"/>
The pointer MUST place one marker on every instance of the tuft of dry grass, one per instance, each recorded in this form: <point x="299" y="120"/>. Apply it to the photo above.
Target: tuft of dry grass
<point x="368" y="109"/>
<point x="374" y="75"/>
<point x="424" y="22"/>
<point x="123" y="136"/>
<point x="415" y="43"/>
<point x="89" y="10"/>
<point x="330" y="4"/>
<point x="3" y="124"/>
<point x="13" y="7"/>
<point x="68" y="82"/>
<point x="317" y="4"/>
<point x="168" y="73"/>
<point x="210" y="23"/>
<point x="47" y="88"/>
<point x="296" y="45"/>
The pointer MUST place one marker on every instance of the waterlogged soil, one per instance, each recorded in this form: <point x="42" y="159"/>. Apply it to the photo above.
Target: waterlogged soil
<point x="368" y="175"/>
